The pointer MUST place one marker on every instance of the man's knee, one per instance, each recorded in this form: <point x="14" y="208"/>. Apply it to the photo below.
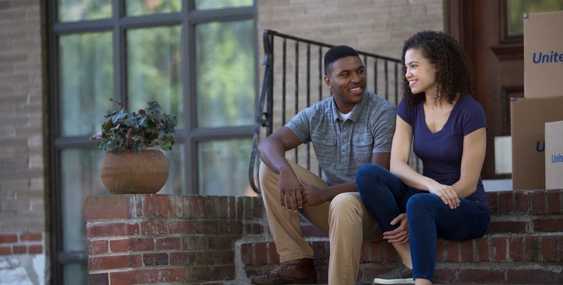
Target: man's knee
<point x="346" y="205"/>
<point x="264" y="169"/>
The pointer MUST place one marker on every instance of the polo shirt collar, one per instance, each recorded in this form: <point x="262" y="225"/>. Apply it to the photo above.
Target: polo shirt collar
<point x="356" y="111"/>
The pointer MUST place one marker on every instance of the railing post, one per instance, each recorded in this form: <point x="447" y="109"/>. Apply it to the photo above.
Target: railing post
<point x="268" y="84"/>
<point x="263" y="118"/>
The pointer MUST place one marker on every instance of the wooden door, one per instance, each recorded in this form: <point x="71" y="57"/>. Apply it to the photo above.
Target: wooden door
<point x="497" y="68"/>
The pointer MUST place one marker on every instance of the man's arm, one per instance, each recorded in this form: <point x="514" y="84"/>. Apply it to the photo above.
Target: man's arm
<point x="382" y="159"/>
<point x="272" y="150"/>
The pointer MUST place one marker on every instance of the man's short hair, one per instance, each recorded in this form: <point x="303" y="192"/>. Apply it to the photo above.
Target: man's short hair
<point x="337" y="52"/>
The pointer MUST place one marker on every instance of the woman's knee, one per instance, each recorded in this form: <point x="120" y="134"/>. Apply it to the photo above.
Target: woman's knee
<point x="421" y="203"/>
<point x="368" y="174"/>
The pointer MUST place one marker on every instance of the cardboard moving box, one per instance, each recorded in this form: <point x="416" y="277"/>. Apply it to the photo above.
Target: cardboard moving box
<point x="554" y="155"/>
<point x="543" y="54"/>
<point x="528" y="118"/>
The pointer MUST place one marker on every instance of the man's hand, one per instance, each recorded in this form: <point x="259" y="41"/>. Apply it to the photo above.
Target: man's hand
<point x="313" y="195"/>
<point x="400" y="234"/>
<point x="447" y="193"/>
<point x="291" y="190"/>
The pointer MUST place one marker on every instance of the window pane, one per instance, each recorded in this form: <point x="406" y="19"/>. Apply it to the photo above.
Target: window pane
<point x="223" y="167"/>
<point x="215" y="4"/>
<point x="154" y="69"/>
<point x="143" y="7"/>
<point x="517" y="8"/>
<point x="80" y="176"/>
<point x="175" y="184"/>
<point x="75" y="274"/>
<point x="76" y="10"/>
<point x="86" y="76"/>
<point x="225" y="65"/>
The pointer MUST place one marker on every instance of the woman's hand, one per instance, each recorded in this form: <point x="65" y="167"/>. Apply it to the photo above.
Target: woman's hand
<point x="447" y="193"/>
<point x="400" y="234"/>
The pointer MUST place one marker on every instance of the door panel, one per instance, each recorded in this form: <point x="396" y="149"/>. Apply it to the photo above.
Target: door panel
<point x="496" y="62"/>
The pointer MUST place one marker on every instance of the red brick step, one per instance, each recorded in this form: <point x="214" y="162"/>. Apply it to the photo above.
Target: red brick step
<point x="524" y="246"/>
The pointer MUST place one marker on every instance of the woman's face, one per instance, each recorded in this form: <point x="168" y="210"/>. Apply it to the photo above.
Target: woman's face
<point x="420" y="73"/>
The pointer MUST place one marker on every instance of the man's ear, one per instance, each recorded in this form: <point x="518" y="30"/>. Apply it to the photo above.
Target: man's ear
<point x="327" y="80"/>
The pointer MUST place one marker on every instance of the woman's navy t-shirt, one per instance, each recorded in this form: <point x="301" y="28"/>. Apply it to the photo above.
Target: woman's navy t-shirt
<point x="441" y="151"/>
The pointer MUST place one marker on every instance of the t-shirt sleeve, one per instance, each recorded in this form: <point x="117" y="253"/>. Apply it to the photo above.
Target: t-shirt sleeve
<point x="473" y="118"/>
<point x="383" y="130"/>
<point x="300" y="126"/>
<point x="406" y="112"/>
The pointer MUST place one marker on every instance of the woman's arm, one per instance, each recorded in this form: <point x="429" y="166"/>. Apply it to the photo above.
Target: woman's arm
<point x="400" y="151"/>
<point x="474" y="146"/>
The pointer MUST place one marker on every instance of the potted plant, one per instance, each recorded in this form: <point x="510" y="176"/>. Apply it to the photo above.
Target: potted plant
<point x="134" y="161"/>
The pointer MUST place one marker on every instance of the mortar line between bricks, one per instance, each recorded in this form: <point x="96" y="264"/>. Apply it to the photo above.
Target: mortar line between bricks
<point x="22" y="244"/>
<point x="527" y="234"/>
<point x="128" y="253"/>
<point x="129" y="269"/>
<point x="158" y="219"/>
<point x="497" y="266"/>
<point x="157" y="238"/>
<point x="96" y="222"/>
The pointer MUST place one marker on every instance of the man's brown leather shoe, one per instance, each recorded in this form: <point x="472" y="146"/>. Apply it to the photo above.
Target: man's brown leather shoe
<point x="295" y="271"/>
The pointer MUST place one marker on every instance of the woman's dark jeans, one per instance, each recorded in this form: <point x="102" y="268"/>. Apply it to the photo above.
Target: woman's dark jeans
<point x="386" y="196"/>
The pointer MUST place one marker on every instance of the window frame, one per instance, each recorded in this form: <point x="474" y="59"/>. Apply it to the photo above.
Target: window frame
<point x="190" y="136"/>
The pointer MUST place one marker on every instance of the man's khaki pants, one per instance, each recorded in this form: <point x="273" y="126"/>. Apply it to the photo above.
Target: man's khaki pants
<point x="344" y="218"/>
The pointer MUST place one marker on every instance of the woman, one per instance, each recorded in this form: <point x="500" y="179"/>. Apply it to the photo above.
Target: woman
<point x="447" y="129"/>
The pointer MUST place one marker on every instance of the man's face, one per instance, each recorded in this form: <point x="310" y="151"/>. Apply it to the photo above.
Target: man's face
<point x="346" y="79"/>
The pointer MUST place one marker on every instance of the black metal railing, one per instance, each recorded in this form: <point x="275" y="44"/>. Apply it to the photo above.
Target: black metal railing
<point x="289" y="86"/>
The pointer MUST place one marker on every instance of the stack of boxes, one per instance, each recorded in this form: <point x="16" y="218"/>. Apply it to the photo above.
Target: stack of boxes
<point x="537" y="119"/>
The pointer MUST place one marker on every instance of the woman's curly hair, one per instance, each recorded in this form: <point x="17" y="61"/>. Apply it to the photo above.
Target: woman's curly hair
<point x="444" y="52"/>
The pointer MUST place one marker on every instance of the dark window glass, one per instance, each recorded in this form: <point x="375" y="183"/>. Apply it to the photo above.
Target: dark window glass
<point x="86" y="76"/>
<point x="225" y="73"/>
<point x="154" y="69"/>
<point x="223" y="167"/>
<point x="77" y="10"/>
<point x="216" y="4"/>
<point x="144" y="7"/>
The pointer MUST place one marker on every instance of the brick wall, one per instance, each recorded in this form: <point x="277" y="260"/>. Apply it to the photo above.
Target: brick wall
<point x="21" y="243"/>
<point x="158" y="238"/>
<point x="22" y="210"/>
<point x="21" y="154"/>
<point x="378" y="26"/>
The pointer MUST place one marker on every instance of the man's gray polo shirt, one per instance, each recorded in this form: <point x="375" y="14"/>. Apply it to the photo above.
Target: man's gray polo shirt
<point x="342" y="146"/>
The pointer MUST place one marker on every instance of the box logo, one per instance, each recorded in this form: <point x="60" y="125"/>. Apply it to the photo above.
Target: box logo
<point x="557" y="158"/>
<point x="539" y="57"/>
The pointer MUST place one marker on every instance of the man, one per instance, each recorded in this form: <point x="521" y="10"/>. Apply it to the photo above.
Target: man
<point x="351" y="128"/>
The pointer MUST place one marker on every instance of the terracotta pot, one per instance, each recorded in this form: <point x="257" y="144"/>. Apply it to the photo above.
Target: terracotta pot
<point x="143" y="172"/>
